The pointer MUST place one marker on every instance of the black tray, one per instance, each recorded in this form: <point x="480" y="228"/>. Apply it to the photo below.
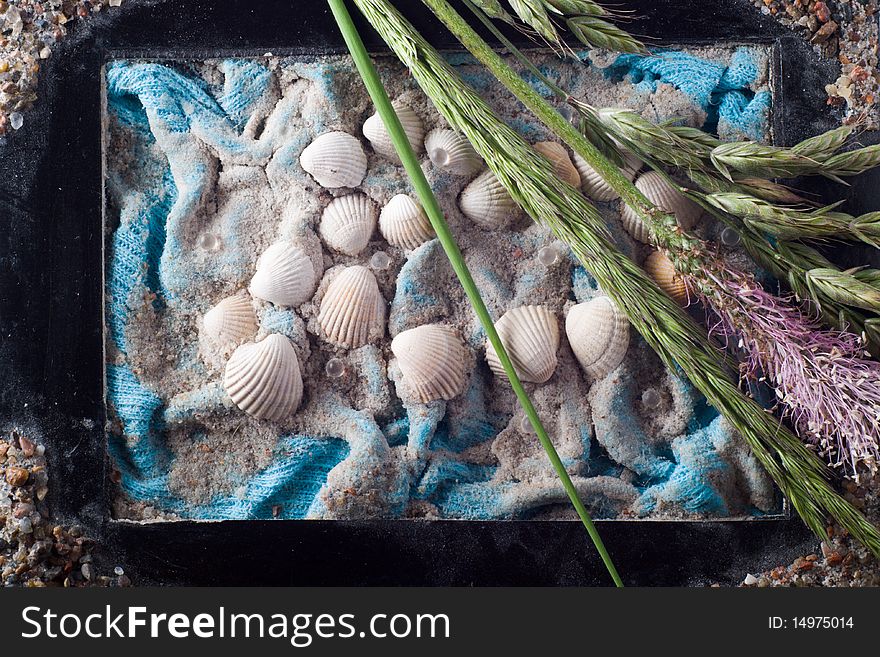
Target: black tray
<point x="51" y="322"/>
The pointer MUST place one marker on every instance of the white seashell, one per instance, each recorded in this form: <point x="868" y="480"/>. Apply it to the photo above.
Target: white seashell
<point x="594" y="185"/>
<point x="599" y="336"/>
<point x="485" y="202"/>
<point x="335" y="159"/>
<point x="666" y="197"/>
<point x="348" y="223"/>
<point x="380" y="140"/>
<point x="451" y="151"/>
<point x="561" y="162"/>
<point x="263" y="378"/>
<point x="352" y="310"/>
<point x="230" y="322"/>
<point x="659" y="267"/>
<point x="433" y="360"/>
<point x="530" y="334"/>
<point x="404" y="223"/>
<point x="285" y="276"/>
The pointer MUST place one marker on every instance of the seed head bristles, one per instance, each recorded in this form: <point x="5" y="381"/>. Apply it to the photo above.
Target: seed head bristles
<point x="584" y="19"/>
<point x="493" y="9"/>
<point x="845" y="288"/>
<point x="578" y="7"/>
<point x="821" y="379"/>
<point x="792" y="223"/>
<point x="761" y="160"/>
<point x="854" y="162"/>
<point x="597" y="33"/>
<point x="534" y="14"/>
<point x="531" y="181"/>
<point x="825" y="145"/>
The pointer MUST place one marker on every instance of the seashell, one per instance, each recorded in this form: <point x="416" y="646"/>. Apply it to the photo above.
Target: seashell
<point x="263" y="378"/>
<point x="531" y="336"/>
<point x="348" y="223"/>
<point x="659" y="267"/>
<point x="666" y="197"/>
<point x="599" y="336"/>
<point x="404" y="223"/>
<point x="230" y="322"/>
<point x="594" y="185"/>
<point x="451" y="151"/>
<point x="380" y="140"/>
<point x="433" y="361"/>
<point x="335" y="159"/>
<point x="561" y="162"/>
<point x="485" y="202"/>
<point x="352" y="310"/>
<point x="285" y="276"/>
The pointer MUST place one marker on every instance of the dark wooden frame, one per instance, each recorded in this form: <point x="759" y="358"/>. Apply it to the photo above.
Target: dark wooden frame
<point x="51" y="322"/>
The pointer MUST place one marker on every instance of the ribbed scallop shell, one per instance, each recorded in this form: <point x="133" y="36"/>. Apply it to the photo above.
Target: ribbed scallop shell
<point x="594" y="186"/>
<point x="230" y="322"/>
<point x="335" y="159"/>
<point x="530" y="334"/>
<point x="660" y="268"/>
<point x="433" y="361"/>
<point x="599" y="336"/>
<point x="263" y="379"/>
<point x="352" y="310"/>
<point x="404" y="223"/>
<point x="485" y="202"/>
<point x="664" y="196"/>
<point x="451" y="151"/>
<point x="561" y="162"/>
<point x="285" y="276"/>
<point x="348" y="223"/>
<point x="380" y="140"/>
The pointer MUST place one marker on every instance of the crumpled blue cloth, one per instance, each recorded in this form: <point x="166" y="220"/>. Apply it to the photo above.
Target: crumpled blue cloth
<point x="722" y="91"/>
<point x="417" y="457"/>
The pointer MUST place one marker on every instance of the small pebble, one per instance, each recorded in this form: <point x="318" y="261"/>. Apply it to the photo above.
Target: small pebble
<point x="16" y="477"/>
<point x="16" y="120"/>
<point x="750" y="580"/>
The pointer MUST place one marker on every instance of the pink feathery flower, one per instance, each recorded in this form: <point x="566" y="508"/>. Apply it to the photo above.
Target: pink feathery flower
<point x="824" y="383"/>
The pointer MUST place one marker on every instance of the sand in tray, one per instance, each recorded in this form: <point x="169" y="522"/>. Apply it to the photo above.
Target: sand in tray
<point x="198" y="194"/>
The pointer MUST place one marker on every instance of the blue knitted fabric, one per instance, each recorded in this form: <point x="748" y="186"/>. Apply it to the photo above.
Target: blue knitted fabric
<point x="722" y="91"/>
<point x="423" y="455"/>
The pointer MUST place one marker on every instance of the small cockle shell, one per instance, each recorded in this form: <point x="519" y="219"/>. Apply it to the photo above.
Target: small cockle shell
<point x="353" y="309"/>
<point x="530" y="334"/>
<point x="485" y="202"/>
<point x="230" y="322"/>
<point x="664" y="196"/>
<point x="335" y="159"/>
<point x="659" y="267"/>
<point x="348" y="223"/>
<point x="599" y="336"/>
<point x="561" y="162"/>
<point x="594" y="186"/>
<point x="433" y="361"/>
<point x="404" y="223"/>
<point x="380" y="140"/>
<point x="285" y="276"/>
<point x="451" y="151"/>
<point x="263" y="378"/>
